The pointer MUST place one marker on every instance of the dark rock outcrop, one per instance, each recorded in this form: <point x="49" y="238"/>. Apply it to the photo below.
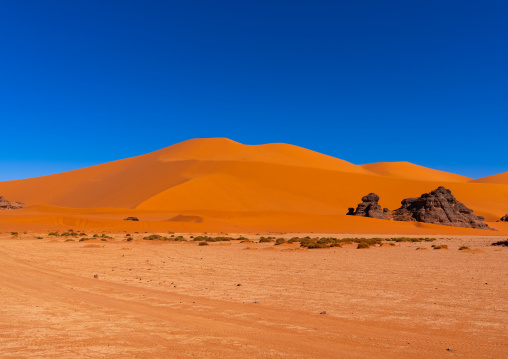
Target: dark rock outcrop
<point x="369" y="208"/>
<point x="438" y="207"/>
<point x="131" y="219"/>
<point x="5" y="204"/>
<point x="504" y="218"/>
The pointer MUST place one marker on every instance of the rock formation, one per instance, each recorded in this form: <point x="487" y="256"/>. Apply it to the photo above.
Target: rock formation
<point x="5" y="204"/>
<point x="369" y="208"/>
<point x="135" y="219"/>
<point x="438" y="207"/>
<point x="504" y="218"/>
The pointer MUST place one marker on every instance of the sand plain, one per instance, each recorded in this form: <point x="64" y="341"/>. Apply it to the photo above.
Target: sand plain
<point x="250" y="300"/>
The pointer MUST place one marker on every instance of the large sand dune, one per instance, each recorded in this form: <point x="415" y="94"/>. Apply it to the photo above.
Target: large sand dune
<point x="229" y="185"/>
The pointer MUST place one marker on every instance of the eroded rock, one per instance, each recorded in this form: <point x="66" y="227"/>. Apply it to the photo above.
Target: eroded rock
<point x="504" y="218"/>
<point x="5" y="204"/>
<point x="369" y="208"/>
<point x="438" y="207"/>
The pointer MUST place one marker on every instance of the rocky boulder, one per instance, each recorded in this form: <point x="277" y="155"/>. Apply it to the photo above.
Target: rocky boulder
<point x="5" y="204"/>
<point x="369" y="208"/>
<point x="504" y="218"/>
<point x="438" y="207"/>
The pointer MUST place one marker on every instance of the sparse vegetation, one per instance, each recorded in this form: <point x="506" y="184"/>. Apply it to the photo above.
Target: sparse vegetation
<point x="280" y="241"/>
<point x="463" y="248"/>
<point x="412" y="240"/>
<point x="501" y="243"/>
<point x="203" y="243"/>
<point x="363" y="245"/>
<point x="442" y="246"/>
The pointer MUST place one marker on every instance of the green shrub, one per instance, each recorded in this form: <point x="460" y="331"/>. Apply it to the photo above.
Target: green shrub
<point x="442" y="246"/>
<point x="203" y="243"/>
<point x="362" y="245"/>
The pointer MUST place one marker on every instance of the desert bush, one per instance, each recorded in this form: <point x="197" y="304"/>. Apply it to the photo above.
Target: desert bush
<point x="442" y="246"/>
<point x="154" y="237"/>
<point x="53" y="234"/>
<point x="280" y="241"/>
<point x="413" y="240"/>
<point x="363" y="245"/>
<point x="130" y="239"/>
<point x="463" y="248"/>
<point x="265" y="240"/>
<point x="203" y="243"/>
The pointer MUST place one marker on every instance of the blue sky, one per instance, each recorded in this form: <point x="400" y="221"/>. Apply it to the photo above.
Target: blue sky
<point x="86" y="82"/>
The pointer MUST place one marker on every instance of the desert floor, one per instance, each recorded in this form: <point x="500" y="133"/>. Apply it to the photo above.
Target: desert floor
<point x="250" y="300"/>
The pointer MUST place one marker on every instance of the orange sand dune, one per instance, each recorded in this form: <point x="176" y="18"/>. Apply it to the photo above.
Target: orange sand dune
<point x="408" y="170"/>
<point x="224" y="185"/>
<point x="501" y="178"/>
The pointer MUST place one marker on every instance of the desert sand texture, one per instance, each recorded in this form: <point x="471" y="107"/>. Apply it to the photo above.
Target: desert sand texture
<point x="217" y="184"/>
<point x="115" y="298"/>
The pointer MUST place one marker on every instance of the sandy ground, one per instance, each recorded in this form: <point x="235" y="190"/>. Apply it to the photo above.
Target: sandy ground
<point x="250" y="300"/>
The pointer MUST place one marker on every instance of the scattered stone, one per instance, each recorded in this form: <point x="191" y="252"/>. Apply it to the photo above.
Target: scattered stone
<point x="438" y="207"/>
<point x="96" y="276"/>
<point x="323" y="312"/>
<point x="369" y="208"/>
<point x="504" y="218"/>
<point x="239" y="285"/>
<point x="5" y="204"/>
<point x="131" y="219"/>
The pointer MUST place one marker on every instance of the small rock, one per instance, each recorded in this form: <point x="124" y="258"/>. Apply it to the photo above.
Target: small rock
<point x="323" y="312"/>
<point x="96" y="276"/>
<point x="504" y="218"/>
<point x="5" y="204"/>
<point x="368" y="208"/>
<point x="131" y="219"/>
<point x="238" y="285"/>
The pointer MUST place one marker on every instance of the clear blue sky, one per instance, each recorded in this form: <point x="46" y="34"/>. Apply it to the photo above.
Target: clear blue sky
<point x="86" y="81"/>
